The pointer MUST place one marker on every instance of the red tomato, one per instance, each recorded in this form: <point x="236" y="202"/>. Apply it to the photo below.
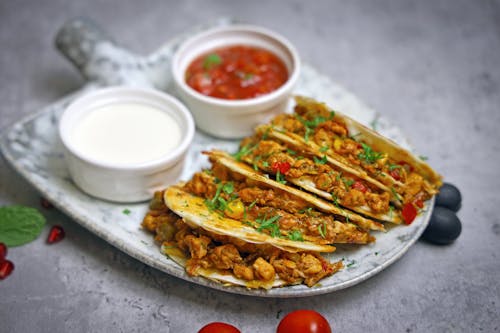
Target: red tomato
<point x="358" y="185"/>
<point x="409" y="213"/>
<point x="395" y="174"/>
<point x="218" y="327"/>
<point x="419" y="203"/>
<point x="304" y="321"/>
<point x="282" y="167"/>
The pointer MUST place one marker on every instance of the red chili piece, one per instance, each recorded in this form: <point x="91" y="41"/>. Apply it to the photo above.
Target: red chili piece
<point x="359" y="186"/>
<point x="409" y="213"/>
<point x="282" y="167"/>
<point x="3" y="252"/>
<point x="56" y="234"/>
<point x="6" y="268"/>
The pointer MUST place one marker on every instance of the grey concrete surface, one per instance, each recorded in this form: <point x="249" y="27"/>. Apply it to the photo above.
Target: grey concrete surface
<point x="432" y="67"/>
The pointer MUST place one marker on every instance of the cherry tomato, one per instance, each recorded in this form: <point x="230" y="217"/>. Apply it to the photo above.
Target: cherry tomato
<point x="219" y="327"/>
<point x="304" y="321"/>
<point x="409" y="213"/>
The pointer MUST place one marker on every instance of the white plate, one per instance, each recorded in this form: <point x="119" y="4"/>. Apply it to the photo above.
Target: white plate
<point x="32" y="147"/>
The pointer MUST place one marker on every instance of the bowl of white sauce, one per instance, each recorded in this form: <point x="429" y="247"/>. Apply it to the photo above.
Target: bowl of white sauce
<point x="122" y="143"/>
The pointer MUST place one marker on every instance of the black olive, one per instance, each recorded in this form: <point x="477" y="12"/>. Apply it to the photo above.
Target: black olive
<point x="444" y="227"/>
<point x="449" y="196"/>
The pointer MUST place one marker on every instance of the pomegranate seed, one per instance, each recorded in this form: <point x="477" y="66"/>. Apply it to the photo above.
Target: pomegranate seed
<point x="3" y="252"/>
<point x="55" y="235"/>
<point x="46" y="203"/>
<point x="6" y="269"/>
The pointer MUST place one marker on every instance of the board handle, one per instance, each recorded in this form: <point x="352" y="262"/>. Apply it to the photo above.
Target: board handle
<point x="97" y="56"/>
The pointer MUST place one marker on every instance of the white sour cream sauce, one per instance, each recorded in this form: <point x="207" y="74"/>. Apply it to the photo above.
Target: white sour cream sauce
<point x="126" y="133"/>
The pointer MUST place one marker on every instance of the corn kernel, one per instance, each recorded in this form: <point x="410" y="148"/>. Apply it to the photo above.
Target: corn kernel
<point x="235" y="209"/>
<point x="337" y="144"/>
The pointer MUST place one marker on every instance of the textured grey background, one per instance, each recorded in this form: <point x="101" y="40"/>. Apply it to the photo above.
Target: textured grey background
<point x="432" y="67"/>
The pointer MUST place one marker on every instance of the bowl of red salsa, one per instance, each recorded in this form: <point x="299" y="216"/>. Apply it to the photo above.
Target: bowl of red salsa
<point x="234" y="78"/>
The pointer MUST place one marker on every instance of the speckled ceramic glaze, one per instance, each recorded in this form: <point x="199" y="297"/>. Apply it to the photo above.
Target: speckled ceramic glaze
<point x="33" y="148"/>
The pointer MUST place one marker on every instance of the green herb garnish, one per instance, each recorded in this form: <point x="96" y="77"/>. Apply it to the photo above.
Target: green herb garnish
<point x="309" y="131"/>
<point x="335" y="199"/>
<point x="218" y="202"/>
<point x="394" y="193"/>
<point x="296" y="235"/>
<point x="322" y="230"/>
<point x="270" y="224"/>
<point x="126" y="211"/>
<point x="245" y="150"/>
<point x="347" y="182"/>
<point x="368" y="155"/>
<point x="280" y="178"/>
<point x="394" y="166"/>
<point x="211" y="61"/>
<point x="322" y="160"/>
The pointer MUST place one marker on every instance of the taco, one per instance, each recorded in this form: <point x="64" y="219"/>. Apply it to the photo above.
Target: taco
<point x="229" y="223"/>
<point x="343" y="161"/>
<point x="223" y="249"/>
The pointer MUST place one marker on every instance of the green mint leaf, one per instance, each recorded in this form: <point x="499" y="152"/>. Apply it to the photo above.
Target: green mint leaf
<point x="20" y="225"/>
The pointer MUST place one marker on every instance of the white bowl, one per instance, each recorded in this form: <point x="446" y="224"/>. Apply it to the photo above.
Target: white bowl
<point x="131" y="181"/>
<point x="234" y="118"/>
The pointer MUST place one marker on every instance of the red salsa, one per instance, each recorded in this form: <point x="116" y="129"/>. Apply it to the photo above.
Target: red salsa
<point x="236" y="72"/>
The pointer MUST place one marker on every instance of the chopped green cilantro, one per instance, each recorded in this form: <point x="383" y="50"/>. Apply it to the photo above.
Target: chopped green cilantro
<point x="324" y="149"/>
<point x="211" y="61"/>
<point x="394" y="166"/>
<point x="280" y="178"/>
<point x="335" y="199"/>
<point x="322" y="230"/>
<point x="269" y="223"/>
<point x="296" y="235"/>
<point x="322" y="160"/>
<point x="218" y="202"/>
<point x="126" y="211"/>
<point x="347" y="182"/>
<point x="368" y="155"/>
<point x="245" y="150"/>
